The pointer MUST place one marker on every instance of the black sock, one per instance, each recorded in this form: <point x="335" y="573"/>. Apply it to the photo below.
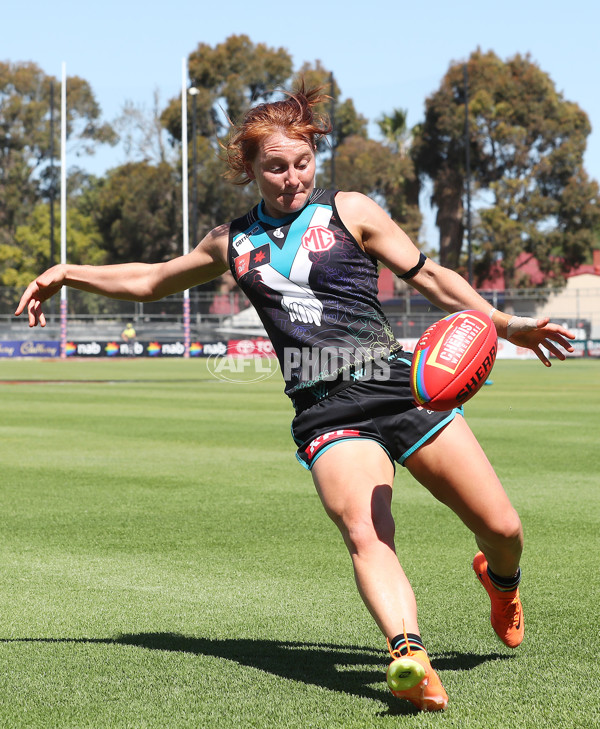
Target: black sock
<point x="505" y="584"/>
<point x="414" y="643"/>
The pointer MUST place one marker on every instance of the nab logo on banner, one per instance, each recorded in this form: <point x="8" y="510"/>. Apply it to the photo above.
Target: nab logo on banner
<point x="318" y="239"/>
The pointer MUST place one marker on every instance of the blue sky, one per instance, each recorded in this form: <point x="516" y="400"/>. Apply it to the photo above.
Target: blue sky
<point x="385" y="54"/>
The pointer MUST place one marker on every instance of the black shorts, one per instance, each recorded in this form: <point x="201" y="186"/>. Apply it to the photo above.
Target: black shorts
<point x="380" y="410"/>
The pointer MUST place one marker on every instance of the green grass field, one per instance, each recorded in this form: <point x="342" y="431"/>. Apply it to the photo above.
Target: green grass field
<point x="166" y="562"/>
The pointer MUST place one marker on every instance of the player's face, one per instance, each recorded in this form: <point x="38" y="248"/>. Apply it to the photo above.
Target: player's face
<point x="284" y="170"/>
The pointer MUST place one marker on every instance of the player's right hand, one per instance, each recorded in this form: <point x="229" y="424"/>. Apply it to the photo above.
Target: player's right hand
<point x="38" y="291"/>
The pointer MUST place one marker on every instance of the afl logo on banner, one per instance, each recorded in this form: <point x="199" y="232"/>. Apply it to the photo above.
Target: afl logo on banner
<point x="318" y="239"/>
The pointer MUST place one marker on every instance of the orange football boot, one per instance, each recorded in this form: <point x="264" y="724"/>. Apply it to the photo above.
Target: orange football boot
<point x="507" y="612"/>
<point x="411" y="677"/>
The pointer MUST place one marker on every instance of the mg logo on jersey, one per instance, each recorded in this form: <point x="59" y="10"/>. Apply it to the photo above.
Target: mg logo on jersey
<point x="318" y="239"/>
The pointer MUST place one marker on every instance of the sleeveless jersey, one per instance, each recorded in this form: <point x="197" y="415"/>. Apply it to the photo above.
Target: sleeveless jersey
<point x="314" y="289"/>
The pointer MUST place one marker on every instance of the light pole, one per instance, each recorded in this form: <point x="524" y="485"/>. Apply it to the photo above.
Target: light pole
<point x="52" y="246"/>
<point x="52" y="196"/>
<point x="332" y="161"/>
<point x="194" y="93"/>
<point x="184" y="200"/>
<point x="63" y="207"/>
<point x="468" y="175"/>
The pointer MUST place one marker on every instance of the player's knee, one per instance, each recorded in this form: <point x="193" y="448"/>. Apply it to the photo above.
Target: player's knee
<point x="506" y="528"/>
<point x="363" y="531"/>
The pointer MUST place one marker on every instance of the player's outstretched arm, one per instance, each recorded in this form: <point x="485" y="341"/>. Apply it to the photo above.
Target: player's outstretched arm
<point x="383" y="239"/>
<point x="123" y="281"/>
<point x="449" y="291"/>
<point x="130" y="281"/>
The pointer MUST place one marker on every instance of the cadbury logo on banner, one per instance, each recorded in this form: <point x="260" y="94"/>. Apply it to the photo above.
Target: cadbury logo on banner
<point x="318" y="239"/>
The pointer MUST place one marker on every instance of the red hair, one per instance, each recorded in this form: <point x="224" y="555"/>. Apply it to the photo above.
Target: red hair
<point x="294" y="116"/>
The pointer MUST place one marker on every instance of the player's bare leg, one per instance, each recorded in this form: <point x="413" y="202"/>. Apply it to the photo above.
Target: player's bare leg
<point x="466" y="482"/>
<point x="453" y="466"/>
<point x="354" y="481"/>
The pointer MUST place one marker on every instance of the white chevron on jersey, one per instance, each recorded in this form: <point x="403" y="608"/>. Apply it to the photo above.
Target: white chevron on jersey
<point x="297" y="285"/>
<point x="302" y="264"/>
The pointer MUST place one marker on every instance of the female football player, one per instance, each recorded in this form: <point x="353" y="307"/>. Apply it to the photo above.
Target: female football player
<point x="307" y="259"/>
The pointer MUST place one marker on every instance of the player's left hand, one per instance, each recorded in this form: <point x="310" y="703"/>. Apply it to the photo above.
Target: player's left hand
<point x="530" y="333"/>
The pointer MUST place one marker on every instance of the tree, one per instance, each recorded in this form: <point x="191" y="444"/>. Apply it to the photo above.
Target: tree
<point x="218" y="200"/>
<point x="526" y="147"/>
<point x="236" y="74"/>
<point x="25" y="175"/>
<point x="22" y="259"/>
<point x="142" y="132"/>
<point x="381" y="169"/>
<point x="229" y="78"/>
<point x="371" y="167"/>
<point x="136" y="209"/>
<point x="347" y="122"/>
<point x="395" y="130"/>
<point x="405" y="187"/>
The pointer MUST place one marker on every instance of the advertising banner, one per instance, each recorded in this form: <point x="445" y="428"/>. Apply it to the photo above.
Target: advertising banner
<point x="29" y="349"/>
<point x="225" y="347"/>
<point x="144" y="349"/>
<point x="250" y="348"/>
<point x="593" y="347"/>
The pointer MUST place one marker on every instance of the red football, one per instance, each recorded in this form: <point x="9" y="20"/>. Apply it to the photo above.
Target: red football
<point x="453" y="359"/>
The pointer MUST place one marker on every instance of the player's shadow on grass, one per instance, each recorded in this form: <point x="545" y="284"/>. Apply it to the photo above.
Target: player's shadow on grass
<point x="355" y="670"/>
